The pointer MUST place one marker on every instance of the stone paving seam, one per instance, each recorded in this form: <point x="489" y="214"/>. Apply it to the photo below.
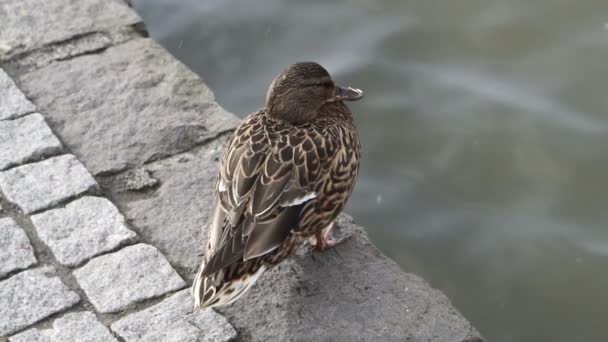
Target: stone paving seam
<point x="13" y="102"/>
<point x="174" y="317"/>
<point x="16" y="251"/>
<point x="115" y="281"/>
<point x="74" y="326"/>
<point x="30" y="296"/>
<point x="26" y="139"/>
<point x="84" y="228"/>
<point x="41" y="185"/>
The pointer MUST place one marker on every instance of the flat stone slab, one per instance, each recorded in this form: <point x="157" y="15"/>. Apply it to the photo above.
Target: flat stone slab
<point x="152" y="106"/>
<point x="30" y="296"/>
<point x="41" y="185"/>
<point x="77" y="326"/>
<point x="352" y="293"/>
<point x="26" y="139"/>
<point x="181" y="204"/>
<point x="114" y="281"/>
<point x="31" y="24"/>
<point x="83" y="229"/>
<point x="173" y="319"/>
<point x="13" y="103"/>
<point x="16" y="252"/>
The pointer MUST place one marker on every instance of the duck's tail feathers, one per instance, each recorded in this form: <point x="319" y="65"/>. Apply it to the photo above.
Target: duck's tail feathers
<point x="208" y="292"/>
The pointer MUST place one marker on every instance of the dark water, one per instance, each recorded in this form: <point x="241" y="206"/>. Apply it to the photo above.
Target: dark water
<point x="485" y="134"/>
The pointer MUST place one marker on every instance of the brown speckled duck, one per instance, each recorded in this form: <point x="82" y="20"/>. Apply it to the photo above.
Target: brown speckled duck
<point x="286" y="174"/>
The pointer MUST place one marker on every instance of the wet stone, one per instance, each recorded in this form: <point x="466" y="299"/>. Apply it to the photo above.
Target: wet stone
<point x="114" y="281"/>
<point x="83" y="229"/>
<point x="26" y="139"/>
<point x="41" y="185"/>
<point x="16" y="252"/>
<point x="30" y="296"/>
<point x="77" y="326"/>
<point x="13" y="103"/>
<point x="174" y="318"/>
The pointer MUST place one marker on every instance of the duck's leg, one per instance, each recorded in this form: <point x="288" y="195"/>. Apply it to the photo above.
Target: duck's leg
<point x="326" y="239"/>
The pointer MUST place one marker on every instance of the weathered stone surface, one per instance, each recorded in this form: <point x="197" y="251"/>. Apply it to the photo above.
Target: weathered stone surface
<point x="181" y="204"/>
<point x="353" y="293"/>
<point x="26" y="139"/>
<point x="173" y="319"/>
<point x="41" y="185"/>
<point x="84" y="228"/>
<point x="16" y="252"/>
<point x="152" y="105"/>
<point x="30" y="296"/>
<point x="12" y="101"/>
<point x="367" y="296"/>
<point x="138" y="179"/>
<point x="31" y="24"/>
<point x="114" y="281"/>
<point x="77" y="326"/>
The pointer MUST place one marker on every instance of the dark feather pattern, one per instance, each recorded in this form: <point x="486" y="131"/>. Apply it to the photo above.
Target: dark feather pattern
<point x="261" y="173"/>
<point x="279" y="184"/>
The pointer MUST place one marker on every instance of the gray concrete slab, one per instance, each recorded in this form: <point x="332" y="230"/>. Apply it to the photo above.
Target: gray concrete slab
<point x="41" y="185"/>
<point x="352" y="293"/>
<point x="30" y="296"/>
<point x="181" y="204"/>
<point x="26" y="139"/>
<point x="152" y="105"/>
<point x="117" y="280"/>
<point x="31" y="24"/>
<point x="77" y="326"/>
<point x="83" y="229"/>
<point x="13" y="103"/>
<point x="173" y="319"/>
<point x="16" y="252"/>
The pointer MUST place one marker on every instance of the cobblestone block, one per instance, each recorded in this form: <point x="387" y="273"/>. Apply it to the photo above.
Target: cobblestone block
<point x="114" y="281"/>
<point x="16" y="252"/>
<point x="77" y="326"/>
<point x="30" y="296"/>
<point x="173" y="319"/>
<point x="83" y="229"/>
<point x="26" y="139"/>
<point x="12" y="101"/>
<point x="41" y="185"/>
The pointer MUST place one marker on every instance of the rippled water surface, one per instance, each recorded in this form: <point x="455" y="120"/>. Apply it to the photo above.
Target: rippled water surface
<point x="485" y="135"/>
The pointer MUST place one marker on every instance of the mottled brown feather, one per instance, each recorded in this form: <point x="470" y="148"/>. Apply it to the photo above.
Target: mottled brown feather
<point x="260" y="173"/>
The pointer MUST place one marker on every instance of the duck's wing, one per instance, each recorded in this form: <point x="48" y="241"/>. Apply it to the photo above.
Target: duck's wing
<point x="265" y="180"/>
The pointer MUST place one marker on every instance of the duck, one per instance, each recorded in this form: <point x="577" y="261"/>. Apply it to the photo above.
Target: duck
<point x="287" y="172"/>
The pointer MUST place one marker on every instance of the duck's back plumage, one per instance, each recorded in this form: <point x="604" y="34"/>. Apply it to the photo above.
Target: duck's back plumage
<point x="278" y="184"/>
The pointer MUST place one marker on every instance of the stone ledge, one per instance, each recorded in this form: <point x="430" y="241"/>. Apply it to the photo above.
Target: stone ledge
<point x="53" y="21"/>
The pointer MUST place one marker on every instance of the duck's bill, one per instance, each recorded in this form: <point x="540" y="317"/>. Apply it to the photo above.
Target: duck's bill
<point x="348" y="93"/>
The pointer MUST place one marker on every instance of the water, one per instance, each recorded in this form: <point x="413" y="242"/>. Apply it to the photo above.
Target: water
<point x="485" y="135"/>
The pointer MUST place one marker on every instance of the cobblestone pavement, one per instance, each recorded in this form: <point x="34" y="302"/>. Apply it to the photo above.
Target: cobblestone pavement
<point x="108" y="153"/>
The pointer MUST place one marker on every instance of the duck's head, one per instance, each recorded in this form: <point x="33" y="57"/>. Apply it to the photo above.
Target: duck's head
<point x="299" y="92"/>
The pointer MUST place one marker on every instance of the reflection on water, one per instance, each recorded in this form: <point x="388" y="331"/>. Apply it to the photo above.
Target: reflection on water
<point x="485" y="134"/>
